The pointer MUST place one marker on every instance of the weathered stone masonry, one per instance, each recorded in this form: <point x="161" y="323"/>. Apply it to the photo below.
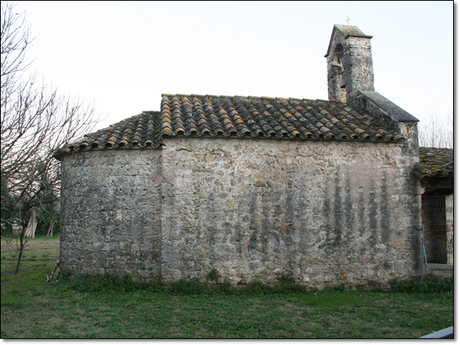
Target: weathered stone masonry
<point x="111" y="213"/>
<point x="328" y="212"/>
<point x="325" y="211"/>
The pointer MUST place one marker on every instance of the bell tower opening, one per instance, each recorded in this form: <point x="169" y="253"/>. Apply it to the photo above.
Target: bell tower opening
<point x="340" y="87"/>
<point x="349" y="63"/>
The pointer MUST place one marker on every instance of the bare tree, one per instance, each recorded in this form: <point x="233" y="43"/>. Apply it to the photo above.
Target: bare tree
<point x="35" y="121"/>
<point x="437" y="132"/>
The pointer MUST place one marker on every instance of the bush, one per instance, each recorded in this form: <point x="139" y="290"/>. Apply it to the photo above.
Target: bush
<point x="255" y="287"/>
<point x="397" y="285"/>
<point x="110" y="283"/>
<point x="214" y="275"/>
<point x="107" y="283"/>
<point x="227" y="289"/>
<point x="187" y="287"/>
<point x="64" y="275"/>
<point x="286" y="278"/>
<point x="153" y="287"/>
<point x="288" y="288"/>
<point x="437" y="284"/>
<point x="431" y="283"/>
<point x="375" y="286"/>
<point x="339" y="288"/>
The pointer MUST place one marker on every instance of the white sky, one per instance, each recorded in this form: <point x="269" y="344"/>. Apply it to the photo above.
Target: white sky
<point x="124" y="55"/>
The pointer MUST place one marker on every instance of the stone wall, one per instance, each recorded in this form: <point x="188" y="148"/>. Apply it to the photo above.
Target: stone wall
<point x="110" y="213"/>
<point x="329" y="212"/>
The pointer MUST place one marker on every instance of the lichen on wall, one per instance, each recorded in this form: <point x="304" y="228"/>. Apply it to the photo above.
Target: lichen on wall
<point x="110" y="213"/>
<point x="328" y="212"/>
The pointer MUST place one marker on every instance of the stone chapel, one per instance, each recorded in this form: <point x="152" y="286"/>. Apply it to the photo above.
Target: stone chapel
<point x="254" y="187"/>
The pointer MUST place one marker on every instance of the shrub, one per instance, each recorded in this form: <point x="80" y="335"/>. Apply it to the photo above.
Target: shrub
<point x="186" y="287"/>
<point x="287" y="288"/>
<point x="375" y="286"/>
<point x="286" y="278"/>
<point x="339" y="288"/>
<point x="107" y="283"/>
<point x="431" y="283"/>
<point x="213" y="275"/>
<point x="110" y="283"/>
<point x="419" y="286"/>
<point x="255" y="287"/>
<point x="64" y="275"/>
<point x="227" y="289"/>
<point x="397" y="285"/>
<point x="435" y="283"/>
<point x="157" y="286"/>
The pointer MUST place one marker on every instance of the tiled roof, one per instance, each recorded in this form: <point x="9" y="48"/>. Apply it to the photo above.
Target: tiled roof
<point x="139" y="130"/>
<point x="436" y="162"/>
<point x="258" y="117"/>
<point x="269" y="117"/>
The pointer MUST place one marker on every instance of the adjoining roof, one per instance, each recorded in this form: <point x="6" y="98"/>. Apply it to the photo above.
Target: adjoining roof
<point x="384" y="103"/>
<point x="253" y="117"/>
<point x="436" y="162"/>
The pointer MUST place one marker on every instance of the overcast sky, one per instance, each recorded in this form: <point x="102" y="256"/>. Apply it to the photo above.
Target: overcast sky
<point x="124" y="55"/>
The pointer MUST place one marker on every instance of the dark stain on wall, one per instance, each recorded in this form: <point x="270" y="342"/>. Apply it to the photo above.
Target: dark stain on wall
<point x="337" y="212"/>
<point x="329" y="219"/>
<point x="327" y="209"/>
<point x="348" y="203"/>
<point x="384" y="207"/>
<point x="254" y="242"/>
<point x="373" y="225"/>
<point x="213" y="240"/>
<point x="361" y="219"/>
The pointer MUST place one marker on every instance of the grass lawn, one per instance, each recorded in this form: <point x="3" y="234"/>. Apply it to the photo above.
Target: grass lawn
<point x="32" y="308"/>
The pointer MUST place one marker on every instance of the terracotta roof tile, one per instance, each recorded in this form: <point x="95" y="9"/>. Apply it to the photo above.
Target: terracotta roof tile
<point x="436" y="162"/>
<point x="136" y="131"/>
<point x="272" y="117"/>
<point x="266" y="117"/>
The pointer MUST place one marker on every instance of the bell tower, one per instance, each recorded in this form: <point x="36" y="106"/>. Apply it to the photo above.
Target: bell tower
<point x="349" y="63"/>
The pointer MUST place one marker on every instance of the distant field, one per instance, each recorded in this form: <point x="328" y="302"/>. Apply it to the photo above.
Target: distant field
<point x="38" y="252"/>
<point x="32" y="308"/>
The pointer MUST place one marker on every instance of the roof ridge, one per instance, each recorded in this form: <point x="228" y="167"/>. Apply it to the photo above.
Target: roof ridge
<point x="251" y="97"/>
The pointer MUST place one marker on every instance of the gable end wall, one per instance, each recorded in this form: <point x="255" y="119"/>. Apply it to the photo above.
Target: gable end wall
<point x="328" y="212"/>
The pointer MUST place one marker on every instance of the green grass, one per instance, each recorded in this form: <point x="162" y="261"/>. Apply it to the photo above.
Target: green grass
<point x="38" y="252"/>
<point x="41" y="239"/>
<point x="118" y="308"/>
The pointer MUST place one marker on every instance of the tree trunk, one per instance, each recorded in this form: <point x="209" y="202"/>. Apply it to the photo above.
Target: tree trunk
<point x="50" y="229"/>
<point x="21" y="247"/>
<point x="32" y="226"/>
